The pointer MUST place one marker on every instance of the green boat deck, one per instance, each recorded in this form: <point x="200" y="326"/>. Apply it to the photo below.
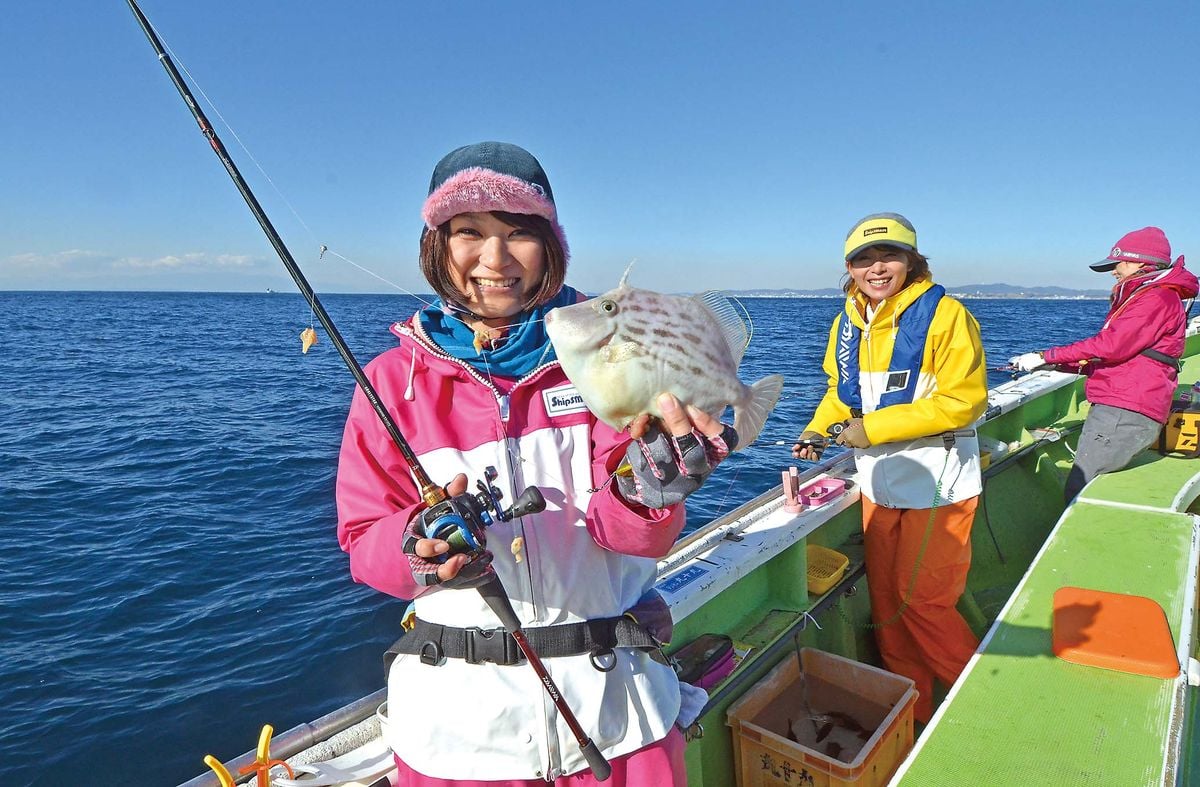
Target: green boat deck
<point x="1019" y="715"/>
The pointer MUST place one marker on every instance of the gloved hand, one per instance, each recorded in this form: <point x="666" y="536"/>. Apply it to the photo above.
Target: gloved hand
<point x="1027" y="362"/>
<point x="809" y="445"/>
<point x="425" y="555"/>
<point x="652" y="613"/>
<point x="854" y="435"/>
<point x="665" y="469"/>
<point x="459" y="571"/>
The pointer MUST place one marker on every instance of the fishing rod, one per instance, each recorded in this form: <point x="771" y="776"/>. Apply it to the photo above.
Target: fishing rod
<point x="1054" y="367"/>
<point x="461" y="519"/>
<point x="429" y="491"/>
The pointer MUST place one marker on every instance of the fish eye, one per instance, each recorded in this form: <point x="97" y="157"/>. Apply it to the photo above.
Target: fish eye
<point x="608" y="307"/>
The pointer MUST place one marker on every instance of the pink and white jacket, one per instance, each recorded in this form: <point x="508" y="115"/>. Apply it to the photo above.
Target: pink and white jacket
<point x="588" y="555"/>
<point x="1146" y="313"/>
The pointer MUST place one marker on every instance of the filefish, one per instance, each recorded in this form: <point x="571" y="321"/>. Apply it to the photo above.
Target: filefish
<point x="625" y="347"/>
<point x="837" y="735"/>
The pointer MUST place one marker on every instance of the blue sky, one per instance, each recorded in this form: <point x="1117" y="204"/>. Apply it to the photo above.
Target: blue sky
<point x="720" y="145"/>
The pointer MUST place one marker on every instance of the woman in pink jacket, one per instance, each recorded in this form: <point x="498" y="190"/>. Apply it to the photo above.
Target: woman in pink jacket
<point x="1132" y="364"/>
<point x="474" y="383"/>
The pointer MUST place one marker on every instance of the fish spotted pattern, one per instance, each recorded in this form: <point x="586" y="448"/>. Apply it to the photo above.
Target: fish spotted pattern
<point x="625" y="347"/>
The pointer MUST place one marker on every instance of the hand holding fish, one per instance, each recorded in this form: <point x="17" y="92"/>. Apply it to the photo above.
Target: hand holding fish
<point x="677" y="419"/>
<point x="854" y="435"/>
<point x="457" y="571"/>
<point x="666" y="467"/>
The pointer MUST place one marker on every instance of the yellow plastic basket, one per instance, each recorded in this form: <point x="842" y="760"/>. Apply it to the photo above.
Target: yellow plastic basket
<point x="825" y="568"/>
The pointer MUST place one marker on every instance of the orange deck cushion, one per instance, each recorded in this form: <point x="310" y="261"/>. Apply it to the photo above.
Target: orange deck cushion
<point x="1113" y="631"/>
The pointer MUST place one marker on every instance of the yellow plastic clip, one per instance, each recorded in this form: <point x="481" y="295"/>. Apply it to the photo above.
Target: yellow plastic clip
<point x="263" y="764"/>
<point x="223" y="774"/>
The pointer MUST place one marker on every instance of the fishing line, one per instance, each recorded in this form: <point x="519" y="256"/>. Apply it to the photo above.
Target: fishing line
<point x="435" y="497"/>
<point x="729" y="488"/>
<point x="324" y="248"/>
<point x="450" y="312"/>
<point x="386" y="281"/>
<point x="241" y="144"/>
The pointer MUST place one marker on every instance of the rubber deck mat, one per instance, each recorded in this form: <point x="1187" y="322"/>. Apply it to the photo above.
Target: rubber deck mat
<point x="1022" y="716"/>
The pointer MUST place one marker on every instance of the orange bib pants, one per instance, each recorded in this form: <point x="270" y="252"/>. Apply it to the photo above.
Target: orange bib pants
<point x="920" y="633"/>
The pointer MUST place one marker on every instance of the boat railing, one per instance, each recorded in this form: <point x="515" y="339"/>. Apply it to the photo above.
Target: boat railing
<point x="300" y="738"/>
<point x="743" y="516"/>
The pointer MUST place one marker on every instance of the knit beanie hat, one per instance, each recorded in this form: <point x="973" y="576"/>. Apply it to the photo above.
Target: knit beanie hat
<point x="489" y="176"/>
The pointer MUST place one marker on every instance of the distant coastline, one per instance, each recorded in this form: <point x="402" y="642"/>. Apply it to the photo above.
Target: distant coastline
<point x="965" y="291"/>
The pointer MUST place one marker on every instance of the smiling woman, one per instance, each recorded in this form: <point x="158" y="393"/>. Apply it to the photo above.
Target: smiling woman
<point x="496" y="265"/>
<point x="907" y="379"/>
<point x="476" y="381"/>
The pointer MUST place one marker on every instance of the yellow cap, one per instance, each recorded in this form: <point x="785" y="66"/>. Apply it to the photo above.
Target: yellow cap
<point x="881" y="229"/>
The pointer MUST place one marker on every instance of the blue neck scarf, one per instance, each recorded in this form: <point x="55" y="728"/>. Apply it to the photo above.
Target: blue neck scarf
<point x="523" y="349"/>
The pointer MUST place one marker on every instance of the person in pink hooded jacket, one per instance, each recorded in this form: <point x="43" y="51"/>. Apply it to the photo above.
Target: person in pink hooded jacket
<point x="474" y="384"/>
<point x="1132" y="364"/>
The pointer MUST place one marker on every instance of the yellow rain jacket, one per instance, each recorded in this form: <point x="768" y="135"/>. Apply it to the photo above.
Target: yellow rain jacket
<point x="908" y="459"/>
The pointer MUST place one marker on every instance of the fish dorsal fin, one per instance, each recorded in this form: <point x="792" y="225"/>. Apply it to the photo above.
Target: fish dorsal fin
<point x="625" y="276"/>
<point x="734" y="326"/>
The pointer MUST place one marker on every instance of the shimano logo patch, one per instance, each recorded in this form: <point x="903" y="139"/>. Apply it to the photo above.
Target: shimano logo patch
<point x="563" y="400"/>
<point x="875" y="231"/>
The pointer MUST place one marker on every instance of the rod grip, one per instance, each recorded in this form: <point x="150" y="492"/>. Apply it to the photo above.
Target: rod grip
<point x="600" y="767"/>
<point x="493" y="593"/>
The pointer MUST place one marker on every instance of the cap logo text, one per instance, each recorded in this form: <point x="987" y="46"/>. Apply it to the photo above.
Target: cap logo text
<point x="875" y="231"/>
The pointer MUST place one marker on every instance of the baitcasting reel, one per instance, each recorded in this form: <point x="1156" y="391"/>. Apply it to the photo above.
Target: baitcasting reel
<point x="821" y="443"/>
<point x="460" y="520"/>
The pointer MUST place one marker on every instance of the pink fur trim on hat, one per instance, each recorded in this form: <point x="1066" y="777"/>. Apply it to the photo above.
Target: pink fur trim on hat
<point x="479" y="190"/>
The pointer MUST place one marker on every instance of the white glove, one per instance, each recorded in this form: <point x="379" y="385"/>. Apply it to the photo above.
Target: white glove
<point x="1027" y="362"/>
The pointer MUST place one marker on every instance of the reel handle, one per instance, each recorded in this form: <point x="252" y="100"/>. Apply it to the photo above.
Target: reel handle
<point x="530" y="501"/>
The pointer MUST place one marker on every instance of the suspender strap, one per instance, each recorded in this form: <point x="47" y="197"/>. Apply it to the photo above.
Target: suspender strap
<point x="1161" y="357"/>
<point x="434" y="642"/>
<point x="900" y="383"/>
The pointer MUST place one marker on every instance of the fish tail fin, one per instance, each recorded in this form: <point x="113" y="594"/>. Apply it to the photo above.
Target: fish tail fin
<point x="748" y="419"/>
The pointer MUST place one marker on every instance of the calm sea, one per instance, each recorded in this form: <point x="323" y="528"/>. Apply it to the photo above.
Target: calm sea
<point x="171" y="579"/>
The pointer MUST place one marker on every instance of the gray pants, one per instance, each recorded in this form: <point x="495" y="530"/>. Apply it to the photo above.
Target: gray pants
<point x="1111" y="436"/>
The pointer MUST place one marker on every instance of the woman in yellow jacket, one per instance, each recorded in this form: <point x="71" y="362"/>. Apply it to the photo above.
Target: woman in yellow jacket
<point x="907" y="382"/>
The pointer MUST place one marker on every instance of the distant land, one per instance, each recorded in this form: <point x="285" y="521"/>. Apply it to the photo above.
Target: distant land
<point x="958" y="291"/>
